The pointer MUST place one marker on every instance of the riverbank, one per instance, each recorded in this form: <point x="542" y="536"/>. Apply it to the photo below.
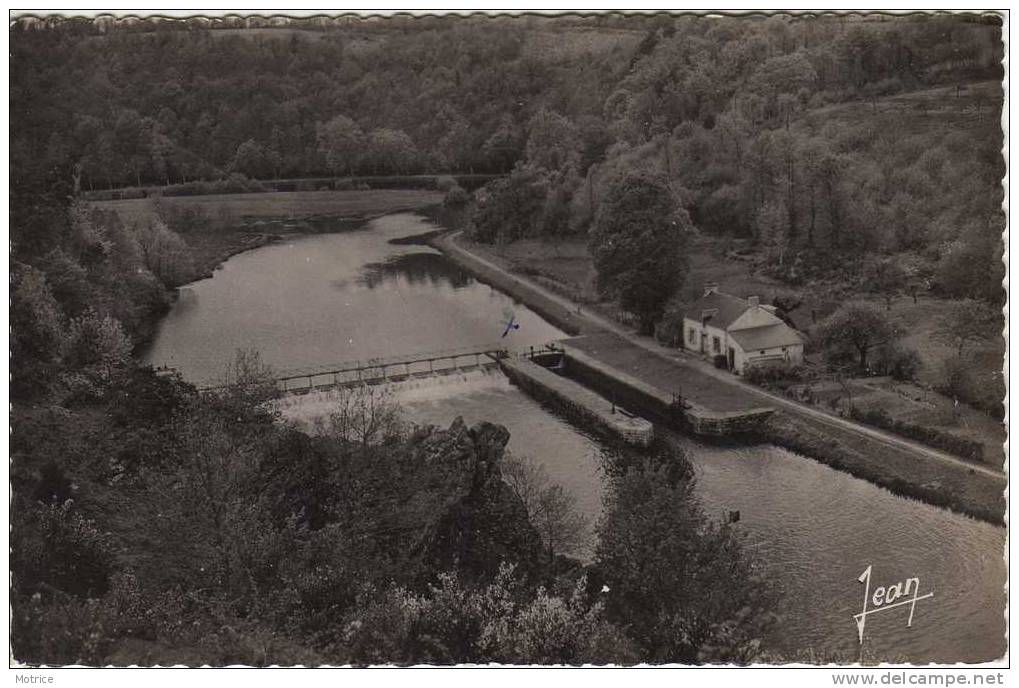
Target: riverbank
<point x="567" y="319"/>
<point x="961" y="490"/>
<point x="904" y="467"/>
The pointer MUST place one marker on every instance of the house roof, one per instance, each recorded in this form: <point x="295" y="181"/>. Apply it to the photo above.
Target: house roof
<point x="766" y="337"/>
<point x="753" y="318"/>
<point x="729" y="309"/>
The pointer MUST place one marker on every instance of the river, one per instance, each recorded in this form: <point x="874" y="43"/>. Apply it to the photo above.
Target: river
<point x="322" y="299"/>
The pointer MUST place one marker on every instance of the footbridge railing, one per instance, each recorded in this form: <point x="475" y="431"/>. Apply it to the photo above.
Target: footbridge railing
<point x="395" y="369"/>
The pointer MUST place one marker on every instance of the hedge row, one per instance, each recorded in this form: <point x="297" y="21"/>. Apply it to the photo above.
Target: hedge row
<point x="231" y="185"/>
<point x="236" y="183"/>
<point x="930" y="436"/>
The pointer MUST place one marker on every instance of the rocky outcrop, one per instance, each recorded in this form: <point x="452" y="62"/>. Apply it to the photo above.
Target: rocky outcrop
<point x="476" y="521"/>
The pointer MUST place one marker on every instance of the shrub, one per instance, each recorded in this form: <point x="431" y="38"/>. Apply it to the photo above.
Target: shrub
<point x="445" y="183"/>
<point x="456" y="197"/>
<point x="55" y="548"/>
<point x="899" y="362"/>
<point x="669" y="330"/>
<point x="772" y="374"/>
<point x="956" y="381"/>
<point x="308" y="185"/>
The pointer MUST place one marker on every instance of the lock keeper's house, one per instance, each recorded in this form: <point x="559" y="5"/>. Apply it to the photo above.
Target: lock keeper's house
<point x="745" y="332"/>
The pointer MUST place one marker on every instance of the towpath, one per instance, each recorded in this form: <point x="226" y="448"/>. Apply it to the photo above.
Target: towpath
<point x="674" y="370"/>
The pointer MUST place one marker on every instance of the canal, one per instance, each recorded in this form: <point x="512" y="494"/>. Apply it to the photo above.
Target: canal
<point x="316" y="300"/>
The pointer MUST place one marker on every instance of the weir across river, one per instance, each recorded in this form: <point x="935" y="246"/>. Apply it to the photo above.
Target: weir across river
<point x="396" y="369"/>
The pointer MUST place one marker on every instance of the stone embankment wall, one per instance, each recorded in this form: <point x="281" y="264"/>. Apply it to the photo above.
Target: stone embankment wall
<point x="577" y="402"/>
<point x="640" y="396"/>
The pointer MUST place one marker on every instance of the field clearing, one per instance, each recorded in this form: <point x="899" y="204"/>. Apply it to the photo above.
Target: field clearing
<point x="282" y="205"/>
<point x="972" y="105"/>
<point x="578" y="41"/>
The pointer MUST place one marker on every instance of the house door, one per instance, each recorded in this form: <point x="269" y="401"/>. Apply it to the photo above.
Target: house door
<point x="732" y="358"/>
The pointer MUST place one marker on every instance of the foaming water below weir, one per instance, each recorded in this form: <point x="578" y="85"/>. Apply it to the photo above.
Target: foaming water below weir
<point x="305" y="408"/>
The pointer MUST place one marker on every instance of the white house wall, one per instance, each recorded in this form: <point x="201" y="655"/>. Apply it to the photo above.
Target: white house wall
<point x="700" y="330"/>
<point x="793" y="352"/>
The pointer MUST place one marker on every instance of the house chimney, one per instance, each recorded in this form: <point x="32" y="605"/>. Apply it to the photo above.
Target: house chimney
<point x="754" y="301"/>
<point x="710" y="288"/>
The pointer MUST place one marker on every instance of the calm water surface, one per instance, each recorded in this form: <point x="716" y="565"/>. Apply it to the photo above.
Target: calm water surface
<point x="330" y="298"/>
<point x="313" y="301"/>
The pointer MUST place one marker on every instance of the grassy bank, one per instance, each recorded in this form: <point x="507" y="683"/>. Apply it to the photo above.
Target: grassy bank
<point x="550" y="310"/>
<point x="951" y="486"/>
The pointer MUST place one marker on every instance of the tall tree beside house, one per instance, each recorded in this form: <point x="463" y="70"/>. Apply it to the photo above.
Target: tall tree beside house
<point x="638" y="242"/>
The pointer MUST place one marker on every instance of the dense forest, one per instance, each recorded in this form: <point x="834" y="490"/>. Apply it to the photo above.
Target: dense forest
<point x="745" y="117"/>
<point x="152" y="523"/>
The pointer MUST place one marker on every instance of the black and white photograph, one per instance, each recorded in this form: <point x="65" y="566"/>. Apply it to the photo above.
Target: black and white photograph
<point x="509" y="339"/>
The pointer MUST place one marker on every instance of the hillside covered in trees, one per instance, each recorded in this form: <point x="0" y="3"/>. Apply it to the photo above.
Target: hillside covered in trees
<point x="750" y="119"/>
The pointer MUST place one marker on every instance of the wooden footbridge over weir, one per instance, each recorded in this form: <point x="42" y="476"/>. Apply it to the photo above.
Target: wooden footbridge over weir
<point x="397" y="369"/>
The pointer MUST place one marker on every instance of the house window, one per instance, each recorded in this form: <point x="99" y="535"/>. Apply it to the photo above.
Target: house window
<point x="716" y="344"/>
<point x="692" y="336"/>
<point x="783" y="349"/>
<point x="762" y="352"/>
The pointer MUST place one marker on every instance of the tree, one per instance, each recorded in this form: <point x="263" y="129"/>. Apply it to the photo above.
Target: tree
<point x="503" y="147"/>
<point x="638" y="242"/>
<point x="365" y="415"/>
<point x="968" y="321"/>
<point x="857" y="326"/>
<point x="677" y="583"/>
<point x="166" y="254"/>
<point x="97" y="344"/>
<point x="972" y="268"/>
<point x="249" y="381"/>
<point x="455" y="144"/>
<point x="341" y="142"/>
<point x="773" y="224"/>
<point x="509" y="208"/>
<point x="552" y="141"/>
<point x="251" y="160"/>
<point x="37" y="329"/>
<point x="886" y="277"/>
<point x="391" y="151"/>
<point x="551" y="509"/>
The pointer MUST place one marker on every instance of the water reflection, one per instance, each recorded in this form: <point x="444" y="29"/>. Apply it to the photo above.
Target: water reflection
<point x="417" y="269"/>
<point x="318" y="300"/>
